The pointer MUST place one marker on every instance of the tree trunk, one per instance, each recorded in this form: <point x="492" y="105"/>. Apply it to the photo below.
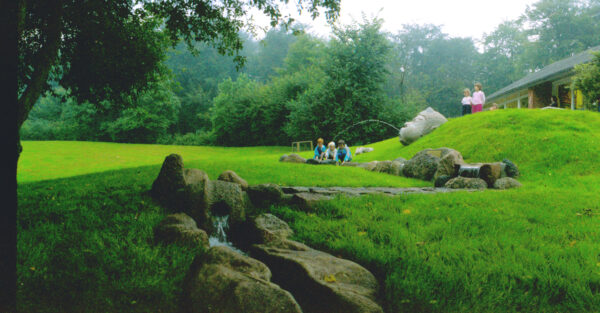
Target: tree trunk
<point x="44" y="61"/>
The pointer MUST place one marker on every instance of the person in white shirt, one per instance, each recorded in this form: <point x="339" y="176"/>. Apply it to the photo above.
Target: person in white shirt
<point x="466" y="102"/>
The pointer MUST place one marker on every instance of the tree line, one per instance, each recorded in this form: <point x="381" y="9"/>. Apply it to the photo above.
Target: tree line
<point x="295" y="86"/>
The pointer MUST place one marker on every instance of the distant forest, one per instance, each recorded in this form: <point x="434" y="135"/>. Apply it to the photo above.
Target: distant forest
<point x="295" y="86"/>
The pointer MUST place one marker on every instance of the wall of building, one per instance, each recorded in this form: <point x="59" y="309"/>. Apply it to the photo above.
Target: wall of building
<point x="539" y="95"/>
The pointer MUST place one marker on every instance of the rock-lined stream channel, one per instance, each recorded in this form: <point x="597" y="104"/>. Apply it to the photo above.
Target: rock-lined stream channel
<point x="249" y="263"/>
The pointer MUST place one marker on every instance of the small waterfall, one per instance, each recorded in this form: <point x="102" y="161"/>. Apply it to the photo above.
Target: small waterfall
<point x="219" y="235"/>
<point x="471" y="171"/>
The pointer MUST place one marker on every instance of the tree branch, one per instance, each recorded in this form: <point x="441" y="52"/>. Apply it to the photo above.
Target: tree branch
<point x="45" y="59"/>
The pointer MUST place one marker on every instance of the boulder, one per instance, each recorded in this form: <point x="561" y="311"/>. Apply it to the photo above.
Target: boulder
<point x="306" y="201"/>
<point x="361" y="150"/>
<point x="510" y="168"/>
<point x="466" y="183"/>
<point x="225" y="198"/>
<point x="292" y="158"/>
<point x="424" y="123"/>
<point x="449" y="164"/>
<point x="227" y="282"/>
<point x="507" y="183"/>
<point x="264" y="195"/>
<point x="383" y="167"/>
<point x="182" y="190"/>
<point x="232" y="177"/>
<point x="313" y="161"/>
<point x="490" y="172"/>
<point x="180" y="228"/>
<point x="262" y="229"/>
<point x="397" y="168"/>
<point x="400" y="159"/>
<point x="368" y="166"/>
<point x="424" y="164"/>
<point x="440" y="181"/>
<point x="319" y="281"/>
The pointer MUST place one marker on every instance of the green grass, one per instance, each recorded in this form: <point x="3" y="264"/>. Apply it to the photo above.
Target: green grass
<point x="43" y="160"/>
<point x="85" y="241"/>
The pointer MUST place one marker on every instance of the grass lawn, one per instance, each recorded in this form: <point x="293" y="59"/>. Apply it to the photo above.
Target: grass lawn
<point x="85" y="221"/>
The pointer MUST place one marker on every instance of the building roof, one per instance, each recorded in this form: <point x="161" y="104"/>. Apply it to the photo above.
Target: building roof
<point x="554" y="70"/>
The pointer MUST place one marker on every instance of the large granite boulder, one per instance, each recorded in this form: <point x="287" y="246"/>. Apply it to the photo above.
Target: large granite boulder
<point x="225" y="281"/>
<point x="424" y="164"/>
<point x="182" y="229"/>
<point x="424" y="123"/>
<point x="466" y="183"/>
<point x="232" y="177"/>
<point x="506" y="183"/>
<point x="292" y="158"/>
<point x="225" y="198"/>
<point x="182" y="190"/>
<point x="319" y="281"/>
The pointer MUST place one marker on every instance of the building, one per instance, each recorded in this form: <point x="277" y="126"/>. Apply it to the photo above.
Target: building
<point x="534" y="90"/>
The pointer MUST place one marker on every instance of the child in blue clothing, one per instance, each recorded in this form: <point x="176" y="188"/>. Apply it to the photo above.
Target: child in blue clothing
<point x="343" y="154"/>
<point x="320" y="150"/>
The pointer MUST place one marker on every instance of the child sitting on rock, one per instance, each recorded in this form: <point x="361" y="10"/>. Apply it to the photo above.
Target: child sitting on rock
<point x="343" y="153"/>
<point x="319" y="150"/>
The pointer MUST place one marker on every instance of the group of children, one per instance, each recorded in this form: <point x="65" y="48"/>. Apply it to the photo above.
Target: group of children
<point x="475" y="103"/>
<point x="331" y="154"/>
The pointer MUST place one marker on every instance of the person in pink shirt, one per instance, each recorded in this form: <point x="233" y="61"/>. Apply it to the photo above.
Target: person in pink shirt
<point x="478" y="99"/>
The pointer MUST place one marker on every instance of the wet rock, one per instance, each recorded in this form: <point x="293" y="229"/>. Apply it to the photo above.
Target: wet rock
<point x="319" y="281"/>
<point x="262" y="229"/>
<point x="182" y="229"/>
<point x="264" y="195"/>
<point x="361" y="150"/>
<point x="424" y="123"/>
<point x="225" y="281"/>
<point x="292" y="158"/>
<point x="232" y="177"/>
<point x="466" y="183"/>
<point x="507" y="183"/>
<point x="307" y="201"/>
<point x="510" y="168"/>
<point x="225" y="198"/>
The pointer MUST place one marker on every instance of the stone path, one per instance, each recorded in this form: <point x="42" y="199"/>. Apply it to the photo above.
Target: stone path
<point x="358" y="191"/>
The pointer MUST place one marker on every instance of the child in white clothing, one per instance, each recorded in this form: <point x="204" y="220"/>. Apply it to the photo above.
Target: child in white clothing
<point x="466" y="102"/>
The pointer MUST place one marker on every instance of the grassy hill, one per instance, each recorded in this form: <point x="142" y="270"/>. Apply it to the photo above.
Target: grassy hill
<point x="85" y="221"/>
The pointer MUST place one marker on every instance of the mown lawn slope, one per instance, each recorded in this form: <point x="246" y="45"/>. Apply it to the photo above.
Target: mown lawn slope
<point x="85" y="241"/>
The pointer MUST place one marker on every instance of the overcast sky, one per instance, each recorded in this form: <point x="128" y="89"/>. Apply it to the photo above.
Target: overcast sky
<point x="459" y="18"/>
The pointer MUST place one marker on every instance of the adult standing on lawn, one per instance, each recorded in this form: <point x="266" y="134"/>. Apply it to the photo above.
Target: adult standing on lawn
<point x="478" y="99"/>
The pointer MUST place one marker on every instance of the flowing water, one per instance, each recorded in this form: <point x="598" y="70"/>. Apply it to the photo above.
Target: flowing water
<point x="366" y="121"/>
<point x="219" y="235"/>
<point x="471" y="171"/>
